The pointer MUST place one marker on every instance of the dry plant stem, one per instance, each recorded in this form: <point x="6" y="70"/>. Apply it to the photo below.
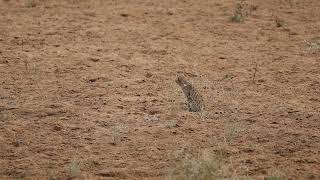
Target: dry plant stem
<point x="26" y="65"/>
<point x="25" y="61"/>
<point x="255" y="72"/>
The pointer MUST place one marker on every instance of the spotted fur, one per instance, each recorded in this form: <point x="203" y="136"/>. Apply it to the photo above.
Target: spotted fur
<point x="194" y="99"/>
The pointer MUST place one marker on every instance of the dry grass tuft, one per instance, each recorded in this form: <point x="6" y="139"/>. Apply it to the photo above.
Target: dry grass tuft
<point x="170" y="124"/>
<point x="73" y="169"/>
<point x="117" y="133"/>
<point x="233" y="130"/>
<point x="313" y="46"/>
<point x="280" y="22"/>
<point x="30" y="3"/>
<point x="241" y="12"/>
<point x="203" y="166"/>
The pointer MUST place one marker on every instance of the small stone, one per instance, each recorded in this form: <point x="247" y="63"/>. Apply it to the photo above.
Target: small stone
<point x="124" y="14"/>
<point x="94" y="59"/>
<point x="57" y="128"/>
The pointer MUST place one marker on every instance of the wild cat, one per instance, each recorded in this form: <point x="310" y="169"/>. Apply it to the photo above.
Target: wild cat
<point x="194" y="99"/>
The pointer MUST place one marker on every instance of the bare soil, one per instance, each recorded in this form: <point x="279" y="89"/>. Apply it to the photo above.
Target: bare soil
<point x="87" y="88"/>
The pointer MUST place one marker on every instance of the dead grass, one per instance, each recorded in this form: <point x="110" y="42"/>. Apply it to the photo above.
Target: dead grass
<point x="205" y="165"/>
<point x="202" y="167"/>
<point x="240" y="13"/>
<point x="280" y="22"/>
<point x="51" y="172"/>
<point x="170" y="124"/>
<point x="117" y="133"/>
<point x="73" y="169"/>
<point x="275" y="174"/>
<point x="233" y="130"/>
<point x="313" y="46"/>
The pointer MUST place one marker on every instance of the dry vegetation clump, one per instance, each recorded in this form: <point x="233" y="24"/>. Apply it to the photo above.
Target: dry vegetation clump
<point x="280" y="22"/>
<point x="205" y="165"/>
<point x="73" y="169"/>
<point x="233" y="130"/>
<point x="117" y="133"/>
<point x="313" y="46"/>
<point x="241" y="12"/>
<point x="170" y="124"/>
<point x="30" y="3"/>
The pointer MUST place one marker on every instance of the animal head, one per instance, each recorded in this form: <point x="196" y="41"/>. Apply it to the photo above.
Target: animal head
<point x="182" y="81"/>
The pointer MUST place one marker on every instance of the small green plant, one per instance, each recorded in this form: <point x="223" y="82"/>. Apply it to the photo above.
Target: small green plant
<point x="240" y="13"/>
<point x="73" y="169"/>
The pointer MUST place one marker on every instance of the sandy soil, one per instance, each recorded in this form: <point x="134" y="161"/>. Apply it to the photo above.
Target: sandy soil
<point x="88" y="88"/>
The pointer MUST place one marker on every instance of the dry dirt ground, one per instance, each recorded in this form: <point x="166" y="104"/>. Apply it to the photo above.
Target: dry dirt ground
<point x="88" y="89"/>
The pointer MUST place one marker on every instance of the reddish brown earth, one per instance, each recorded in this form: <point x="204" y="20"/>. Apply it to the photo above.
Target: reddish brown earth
<point x="89" y="86"/>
